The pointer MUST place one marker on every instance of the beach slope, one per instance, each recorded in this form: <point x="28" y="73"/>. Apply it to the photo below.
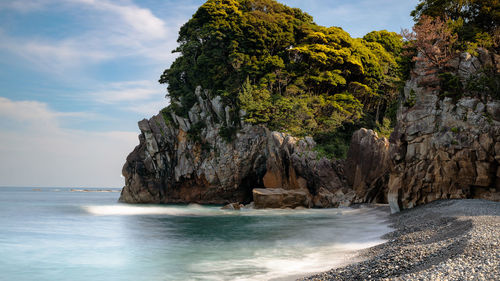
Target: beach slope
<point x="443" y="240"/>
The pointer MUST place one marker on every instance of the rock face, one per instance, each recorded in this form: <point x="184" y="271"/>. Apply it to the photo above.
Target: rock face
<point x="184" y="160"/>
<point x="443" y="148"/>
<point x="367" y="166"/>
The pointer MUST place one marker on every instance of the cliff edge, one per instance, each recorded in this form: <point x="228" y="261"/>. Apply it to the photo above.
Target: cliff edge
<point x="192" y="160"/>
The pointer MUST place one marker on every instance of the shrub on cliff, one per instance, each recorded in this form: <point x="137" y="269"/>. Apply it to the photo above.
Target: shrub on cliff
<point x="474" y="21"/>
<point x="446" y="28"/>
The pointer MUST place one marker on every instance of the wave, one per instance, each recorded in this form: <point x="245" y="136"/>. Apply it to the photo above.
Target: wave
<point x="201" y="210"/>
<point x="140" y="210"/>
<point x="284" y="264"/>
<point x="307" y="241"/>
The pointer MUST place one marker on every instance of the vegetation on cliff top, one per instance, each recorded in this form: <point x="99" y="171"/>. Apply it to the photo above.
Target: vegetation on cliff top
<point x="475" y="22"/>
<point x="445" y="29"/>
<point x="284" y="71"/>
<point x="281" y="68"/>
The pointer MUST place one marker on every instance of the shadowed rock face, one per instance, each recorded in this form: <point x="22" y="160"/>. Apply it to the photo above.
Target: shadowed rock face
<point x="442" y="148"/>
<point x="175" y="164"/>
<point x="367" y="166"/>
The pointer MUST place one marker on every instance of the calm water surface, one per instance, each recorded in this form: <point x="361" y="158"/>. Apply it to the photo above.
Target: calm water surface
<point x="56" y="234"/>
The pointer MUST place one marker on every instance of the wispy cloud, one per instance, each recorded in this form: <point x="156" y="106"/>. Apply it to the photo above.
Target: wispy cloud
<point x="142" y="21"/>
<point x="146" y="108"/>
<point x="52" y="56"/>
<point x="131" y="91"/>
<point x="40" y="157"/>
<point x="111" y="31"/>
<point x="143" y="97"/>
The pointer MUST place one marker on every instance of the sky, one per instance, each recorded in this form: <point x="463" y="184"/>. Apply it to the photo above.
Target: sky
<point x="77" y="75"/>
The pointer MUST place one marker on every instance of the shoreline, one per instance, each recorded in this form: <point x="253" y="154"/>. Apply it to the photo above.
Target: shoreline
<point x="443" y="240"/>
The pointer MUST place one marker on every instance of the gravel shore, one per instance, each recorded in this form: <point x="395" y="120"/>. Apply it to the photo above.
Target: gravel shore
<point x="443" y="240"/>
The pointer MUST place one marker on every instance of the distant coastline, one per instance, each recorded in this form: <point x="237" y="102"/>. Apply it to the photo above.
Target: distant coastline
<point x="66" y="189"/>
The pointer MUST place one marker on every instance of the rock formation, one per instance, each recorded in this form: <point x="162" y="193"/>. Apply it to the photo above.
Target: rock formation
<point x="441" y="148"/>
<point x="176" y="163"/>
<point x="444" y="148"/>
<point x="367" y="166"/>
<point x="281" y="198"/>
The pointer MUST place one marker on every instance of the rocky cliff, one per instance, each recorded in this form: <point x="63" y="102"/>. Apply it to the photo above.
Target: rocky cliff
<point x="444" y="148"/>
<point x="184" y="160"/>
<point x="441" y="148"/>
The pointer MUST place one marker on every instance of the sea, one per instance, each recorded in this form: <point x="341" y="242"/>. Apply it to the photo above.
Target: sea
<point x="86" y="235"/>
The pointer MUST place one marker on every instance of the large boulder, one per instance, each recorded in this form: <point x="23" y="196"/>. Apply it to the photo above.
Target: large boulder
<point x="281" y="198"/>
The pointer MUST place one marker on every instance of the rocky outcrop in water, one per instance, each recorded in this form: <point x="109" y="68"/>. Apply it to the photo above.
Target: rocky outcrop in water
<point x="185" y="160"/>
<point x="444" y="148"/>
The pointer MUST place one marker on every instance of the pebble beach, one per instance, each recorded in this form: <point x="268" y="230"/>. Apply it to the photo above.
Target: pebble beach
<point x="443" y="240"/>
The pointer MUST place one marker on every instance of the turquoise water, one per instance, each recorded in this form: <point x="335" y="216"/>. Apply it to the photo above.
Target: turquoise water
<point x="55" y="234"/>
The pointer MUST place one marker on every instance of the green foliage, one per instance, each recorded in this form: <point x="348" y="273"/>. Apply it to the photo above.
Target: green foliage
<point x="451" y="86"/>
<point x="194" y="133"/>
<point x="473" y="20"/>
<point x="454" y="130"/>
<point x="486" y="81"/>
<point x="256" y="103"/>
<point x="281" y="68"/>
<point x="385" y="129"/>
<point x="392" y="111"/>
<point x="444" y="29"/>
<point x="165" y="113"/>
<point x="228" y="133"/>
<point x="391" y="41"/>
<point x="333" y="145"/>
<point x="412" y="99"/>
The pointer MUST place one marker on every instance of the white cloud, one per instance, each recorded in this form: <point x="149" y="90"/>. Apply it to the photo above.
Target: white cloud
<point x="131" y="91"/>
<point x="141" y="20"/>
<point x="52" y="56"/>
<point x="144" y="97"/>
<point x="146" y="108"/>
<point x="37" y="151"/>
<point x="110" y="30"/>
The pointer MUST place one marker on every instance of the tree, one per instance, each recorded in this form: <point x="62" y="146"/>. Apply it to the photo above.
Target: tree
<point x="434" y="42"/>
<point x="281" y="68"/>
<point x="471" y="17"/>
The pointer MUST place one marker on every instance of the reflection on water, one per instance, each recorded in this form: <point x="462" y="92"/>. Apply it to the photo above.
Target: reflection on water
<point x="88" y="236"/>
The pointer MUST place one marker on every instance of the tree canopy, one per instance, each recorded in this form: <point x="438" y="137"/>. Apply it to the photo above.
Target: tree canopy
<point x="474" y="21"/>
<point x="280" y="67"/>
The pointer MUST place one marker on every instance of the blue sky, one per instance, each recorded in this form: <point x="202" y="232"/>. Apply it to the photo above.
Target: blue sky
<point x="77" y="75"/>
